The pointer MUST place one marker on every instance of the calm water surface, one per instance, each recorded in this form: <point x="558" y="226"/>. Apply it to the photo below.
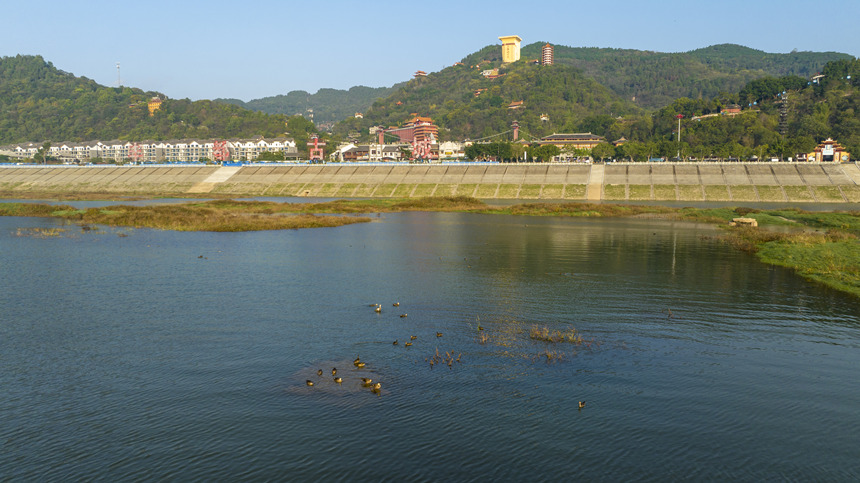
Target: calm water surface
<point x="133" y="358"/>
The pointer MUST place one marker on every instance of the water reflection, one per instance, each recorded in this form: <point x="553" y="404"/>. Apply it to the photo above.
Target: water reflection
<point x="702" y="362"/>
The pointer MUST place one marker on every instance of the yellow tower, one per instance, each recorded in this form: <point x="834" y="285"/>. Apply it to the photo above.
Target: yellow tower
<point x="510" y="48"/>
<point x="154" y="104"/>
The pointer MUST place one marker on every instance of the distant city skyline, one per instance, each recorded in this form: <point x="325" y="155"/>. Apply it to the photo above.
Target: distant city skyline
<point x="260" y="48"/>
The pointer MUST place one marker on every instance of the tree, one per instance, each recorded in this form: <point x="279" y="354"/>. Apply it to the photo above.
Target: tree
<point x="544" y="153"/>
<point x="603" y="151"/>
<point x="42" y="154"/>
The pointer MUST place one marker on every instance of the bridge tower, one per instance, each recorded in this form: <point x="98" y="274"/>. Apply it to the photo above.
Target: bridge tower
<point x="135" y="152"/>
<point x="220" y="151"/>
<point x="315" y="149"/>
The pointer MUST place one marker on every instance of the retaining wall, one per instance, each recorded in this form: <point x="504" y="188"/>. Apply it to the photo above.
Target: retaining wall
<point x="659" y="182"/>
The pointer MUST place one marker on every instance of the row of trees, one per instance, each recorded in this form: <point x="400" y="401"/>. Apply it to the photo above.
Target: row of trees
<point x="505" y="151"/>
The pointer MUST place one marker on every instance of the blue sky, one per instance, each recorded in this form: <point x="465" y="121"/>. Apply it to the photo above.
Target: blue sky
<point x="258" y="48"/>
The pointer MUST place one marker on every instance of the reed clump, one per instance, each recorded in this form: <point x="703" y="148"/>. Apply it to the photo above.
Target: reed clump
<point x="40" y="232"/>
<point x="544" y="334"/>
<point x="209" y="217"/>
<point x="32" y="209"/>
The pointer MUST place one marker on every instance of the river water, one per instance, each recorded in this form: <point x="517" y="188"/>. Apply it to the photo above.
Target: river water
<point x="151" y="355"/>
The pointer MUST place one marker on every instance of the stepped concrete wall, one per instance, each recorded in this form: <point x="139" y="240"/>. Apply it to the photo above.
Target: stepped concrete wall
<point x="635" y="181"/>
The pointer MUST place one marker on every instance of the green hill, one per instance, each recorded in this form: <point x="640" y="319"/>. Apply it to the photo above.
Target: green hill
<point x="586" y="90"/>
<point x="466" y="104"/>
<point x="770" y="124"/>
<point x="655" y="79"/>
<point x="40" y="102"/>
<point x="328" y="105"/>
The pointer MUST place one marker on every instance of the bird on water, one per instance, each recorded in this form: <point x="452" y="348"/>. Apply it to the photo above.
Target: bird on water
<point x="581" y="404"/>
<point x="309" y="382"/>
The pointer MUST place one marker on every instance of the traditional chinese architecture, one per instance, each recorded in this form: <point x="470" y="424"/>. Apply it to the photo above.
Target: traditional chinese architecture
<point x="829" y="151"/>
<point x="420" y="128"/>
<point x="576" y="140"/>
<point x="154" y="104"/>
<point x="547" y="54"/>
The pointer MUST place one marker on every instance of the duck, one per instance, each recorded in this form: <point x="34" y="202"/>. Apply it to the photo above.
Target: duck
<point x="333" y="371"/>
<point x="338" y="380"/>
<point x="396" y="304"/>
<point x="408" y="344"/>
<point x="366" y="381"/>
<point x="581" y="404"/>
<point x="438" y="334"/>
<point x="319" y="372"/>
<point x="309" y="382"/>
<point x="402" y="315"/>
<point x="360" y="365"/>
<point x="356" y="361"/>
<point x="378" y="309"/>
<point x="395" y="342"/>
<point x="413" y="337"/>
<point x="377" y="387"/>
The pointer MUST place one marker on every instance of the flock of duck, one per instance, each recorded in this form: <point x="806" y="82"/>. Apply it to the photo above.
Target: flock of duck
<point x="434" y="360"/>
<point x="365" y="381"/>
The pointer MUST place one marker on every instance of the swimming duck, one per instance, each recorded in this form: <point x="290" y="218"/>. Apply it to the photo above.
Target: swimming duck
<point x="360" y="365"/>
<point x="408" y="344"/>
<point x="413" y="337"/>
<point x="356" y="361"/>
<point x="338" y="380"/>
<point x="395" y="342"/>
<point x="309" y="382"/>
<point x="402" y="315"/>
<point x="366" y="381"/>
<point x="378" y="309"/>
<point x="319" y="372"/>
<point x="333" y="371"/>
<point x="581" y="404"/>
<point x="396" y="304"/>
<point x="438" y="334"/>
<point x="377" y="387"/>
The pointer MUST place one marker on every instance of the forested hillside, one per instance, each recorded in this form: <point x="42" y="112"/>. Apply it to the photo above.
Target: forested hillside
<point x="39" y="102"/>
<point x="466" y="104"/>
<point x="813" y="112"/>
<point x="328" y="105"/>
<point x="655" y="79"/>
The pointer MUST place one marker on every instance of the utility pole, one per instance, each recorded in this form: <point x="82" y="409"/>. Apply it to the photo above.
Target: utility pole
<point x="118" y="78"/>
<point x="679" y="116"/>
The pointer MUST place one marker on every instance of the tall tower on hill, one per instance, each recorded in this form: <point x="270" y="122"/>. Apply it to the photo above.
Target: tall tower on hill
<point x="547" y="54"/>
<point x="510" y="48"/>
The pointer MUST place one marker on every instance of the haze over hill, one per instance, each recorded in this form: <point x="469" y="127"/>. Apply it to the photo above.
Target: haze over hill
<point x="326" y="105"/>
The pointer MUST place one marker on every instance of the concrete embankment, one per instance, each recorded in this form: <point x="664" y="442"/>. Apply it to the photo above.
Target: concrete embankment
<point x="754" y="182"/>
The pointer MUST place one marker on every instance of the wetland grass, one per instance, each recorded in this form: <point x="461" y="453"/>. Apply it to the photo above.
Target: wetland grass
<point x="544" y="334"/>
